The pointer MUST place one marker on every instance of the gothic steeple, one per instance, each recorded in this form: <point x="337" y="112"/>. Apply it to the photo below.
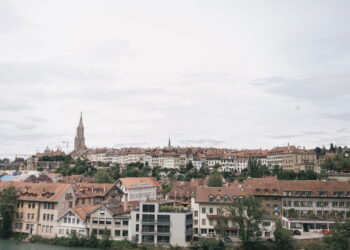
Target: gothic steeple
<point x="79" y="143"/>
<point x="169" y="143"/>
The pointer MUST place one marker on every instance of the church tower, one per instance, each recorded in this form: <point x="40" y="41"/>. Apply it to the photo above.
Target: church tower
<point x="79" y="143"/>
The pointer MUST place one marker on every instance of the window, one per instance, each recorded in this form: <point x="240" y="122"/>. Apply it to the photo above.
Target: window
<point x="195" y="213"/>
<point x="211" y="210"/>
<point x="51" y="217"/>
<point x="44" y="216"/>
<point x="137" y="227"/>
<point x="70" y="204"/>
<point x="163" y="239"/>
<point x="148" y="238"/>
<point x="266" y="223"/>
<point x="94" y="220"/>
<point x="147" y="228"/>
<point x="163" y="229"/>
<point x="94" y="231"/>
<point x="203" y="222"/>
<point x="148" y="217"/>
<point x="203" y="210"/>
<point x="196" y="222"/>
<point x="102" y="211"/>
<point x="108" y="221"/>
<point x="163" y="218"/>
<point x="117" y="232"/>
<point x="137" y="217"/>
<point x="101" y="221"/>
<point x="125" y="222"/>
<point x="125" y="233"/>
<point x="148" y="208"/>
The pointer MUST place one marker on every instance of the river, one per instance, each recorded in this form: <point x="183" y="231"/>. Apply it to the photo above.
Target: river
<point x="16" y="245"/>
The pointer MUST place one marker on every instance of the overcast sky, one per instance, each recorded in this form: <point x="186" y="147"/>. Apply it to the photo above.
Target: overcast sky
<point x="239" y="74"/>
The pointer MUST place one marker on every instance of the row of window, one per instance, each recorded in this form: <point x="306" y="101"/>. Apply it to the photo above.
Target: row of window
<point x="49" y="205"/>
<point x="108" y="221"/>
<point x="68" y="231"/>
<point x="151" y="228"/>
<point x="48" y="217"/>
<point x="47" y="229"/>
<point x="139" y="195"/>
<point x="161" y="239"/>
<point x="107" y="232"/>
<point x="151" y="218"/>
<point x="71" y="220"/>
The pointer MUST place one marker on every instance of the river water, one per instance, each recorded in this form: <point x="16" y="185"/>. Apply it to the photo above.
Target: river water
<point x="16" y="245"/>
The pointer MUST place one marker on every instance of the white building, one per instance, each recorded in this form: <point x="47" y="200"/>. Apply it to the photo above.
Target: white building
<point x="139" y="188"/>
<point x="74" y="221"/>
<point x="161" y="222"/>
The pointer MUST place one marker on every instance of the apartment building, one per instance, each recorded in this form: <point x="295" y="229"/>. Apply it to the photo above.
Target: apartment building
<point x="314" y="205"/>
<point x="39" y="206"/>
<point x="139" y="188"/>
<point x="74" y="221"/>
<point x="291" y="158"/>
<point x="161" y="223"/>
<point x="209" y="207"/>
<point x="110" y="219"/>
<point x="310" y="205"/>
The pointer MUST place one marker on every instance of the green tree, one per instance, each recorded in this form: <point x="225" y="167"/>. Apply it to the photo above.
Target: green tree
<point x="103" y="176"/>
<point x="7" y="205"/>
<point x="215" y="180"/>
<point x="255" y="169"/>
<point x="246" y="211"/>
<point x="339" y="239"/>
<point x="189" y="166"/>
<point x="283" y="238"/>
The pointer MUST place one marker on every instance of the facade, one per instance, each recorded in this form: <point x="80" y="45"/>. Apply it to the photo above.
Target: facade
<point x="94" y="193"/>
<point x="110" y="219"/>
<point x="74" y="221"/>
<point x="39" y="206"/>
<point x="161" y="223"/>
<point x="294" y="159"/>
<point x="139" y="188"/>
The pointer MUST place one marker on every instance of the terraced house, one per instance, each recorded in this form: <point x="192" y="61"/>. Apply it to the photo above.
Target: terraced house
<point x="39" y="206"/>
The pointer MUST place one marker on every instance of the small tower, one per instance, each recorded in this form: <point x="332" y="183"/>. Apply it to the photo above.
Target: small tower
<point x="79" y="142"/>
<point x="169" y="143"/>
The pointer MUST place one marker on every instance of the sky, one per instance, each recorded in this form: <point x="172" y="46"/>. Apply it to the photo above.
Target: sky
<point x="236" y="74"/>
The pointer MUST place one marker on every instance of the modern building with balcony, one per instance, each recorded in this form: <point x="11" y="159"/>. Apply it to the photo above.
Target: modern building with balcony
<point x="161" y="223"/>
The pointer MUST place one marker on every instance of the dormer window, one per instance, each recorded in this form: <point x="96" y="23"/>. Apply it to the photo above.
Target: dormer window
<point x="257" y="190"/>
<point x="218" y="198"/>
<point x="211" y="198"/>
<point x="225" y="199"/>
<point x="102" y="211"/>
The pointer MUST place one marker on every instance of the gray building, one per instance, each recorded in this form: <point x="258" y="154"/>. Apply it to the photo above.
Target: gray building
<point x="161" y="222"/>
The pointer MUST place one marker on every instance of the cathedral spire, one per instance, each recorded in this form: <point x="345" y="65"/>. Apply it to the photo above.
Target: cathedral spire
<point x="81" y="119"/>
<point x="169" y="143"/>
<point x="79" y="142"/>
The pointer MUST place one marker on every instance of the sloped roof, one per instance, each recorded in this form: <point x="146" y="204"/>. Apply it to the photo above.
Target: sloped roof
<point x="138" y="182"/>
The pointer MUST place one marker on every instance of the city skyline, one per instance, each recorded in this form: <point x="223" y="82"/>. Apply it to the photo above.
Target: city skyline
<point x="234" y="75"/>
